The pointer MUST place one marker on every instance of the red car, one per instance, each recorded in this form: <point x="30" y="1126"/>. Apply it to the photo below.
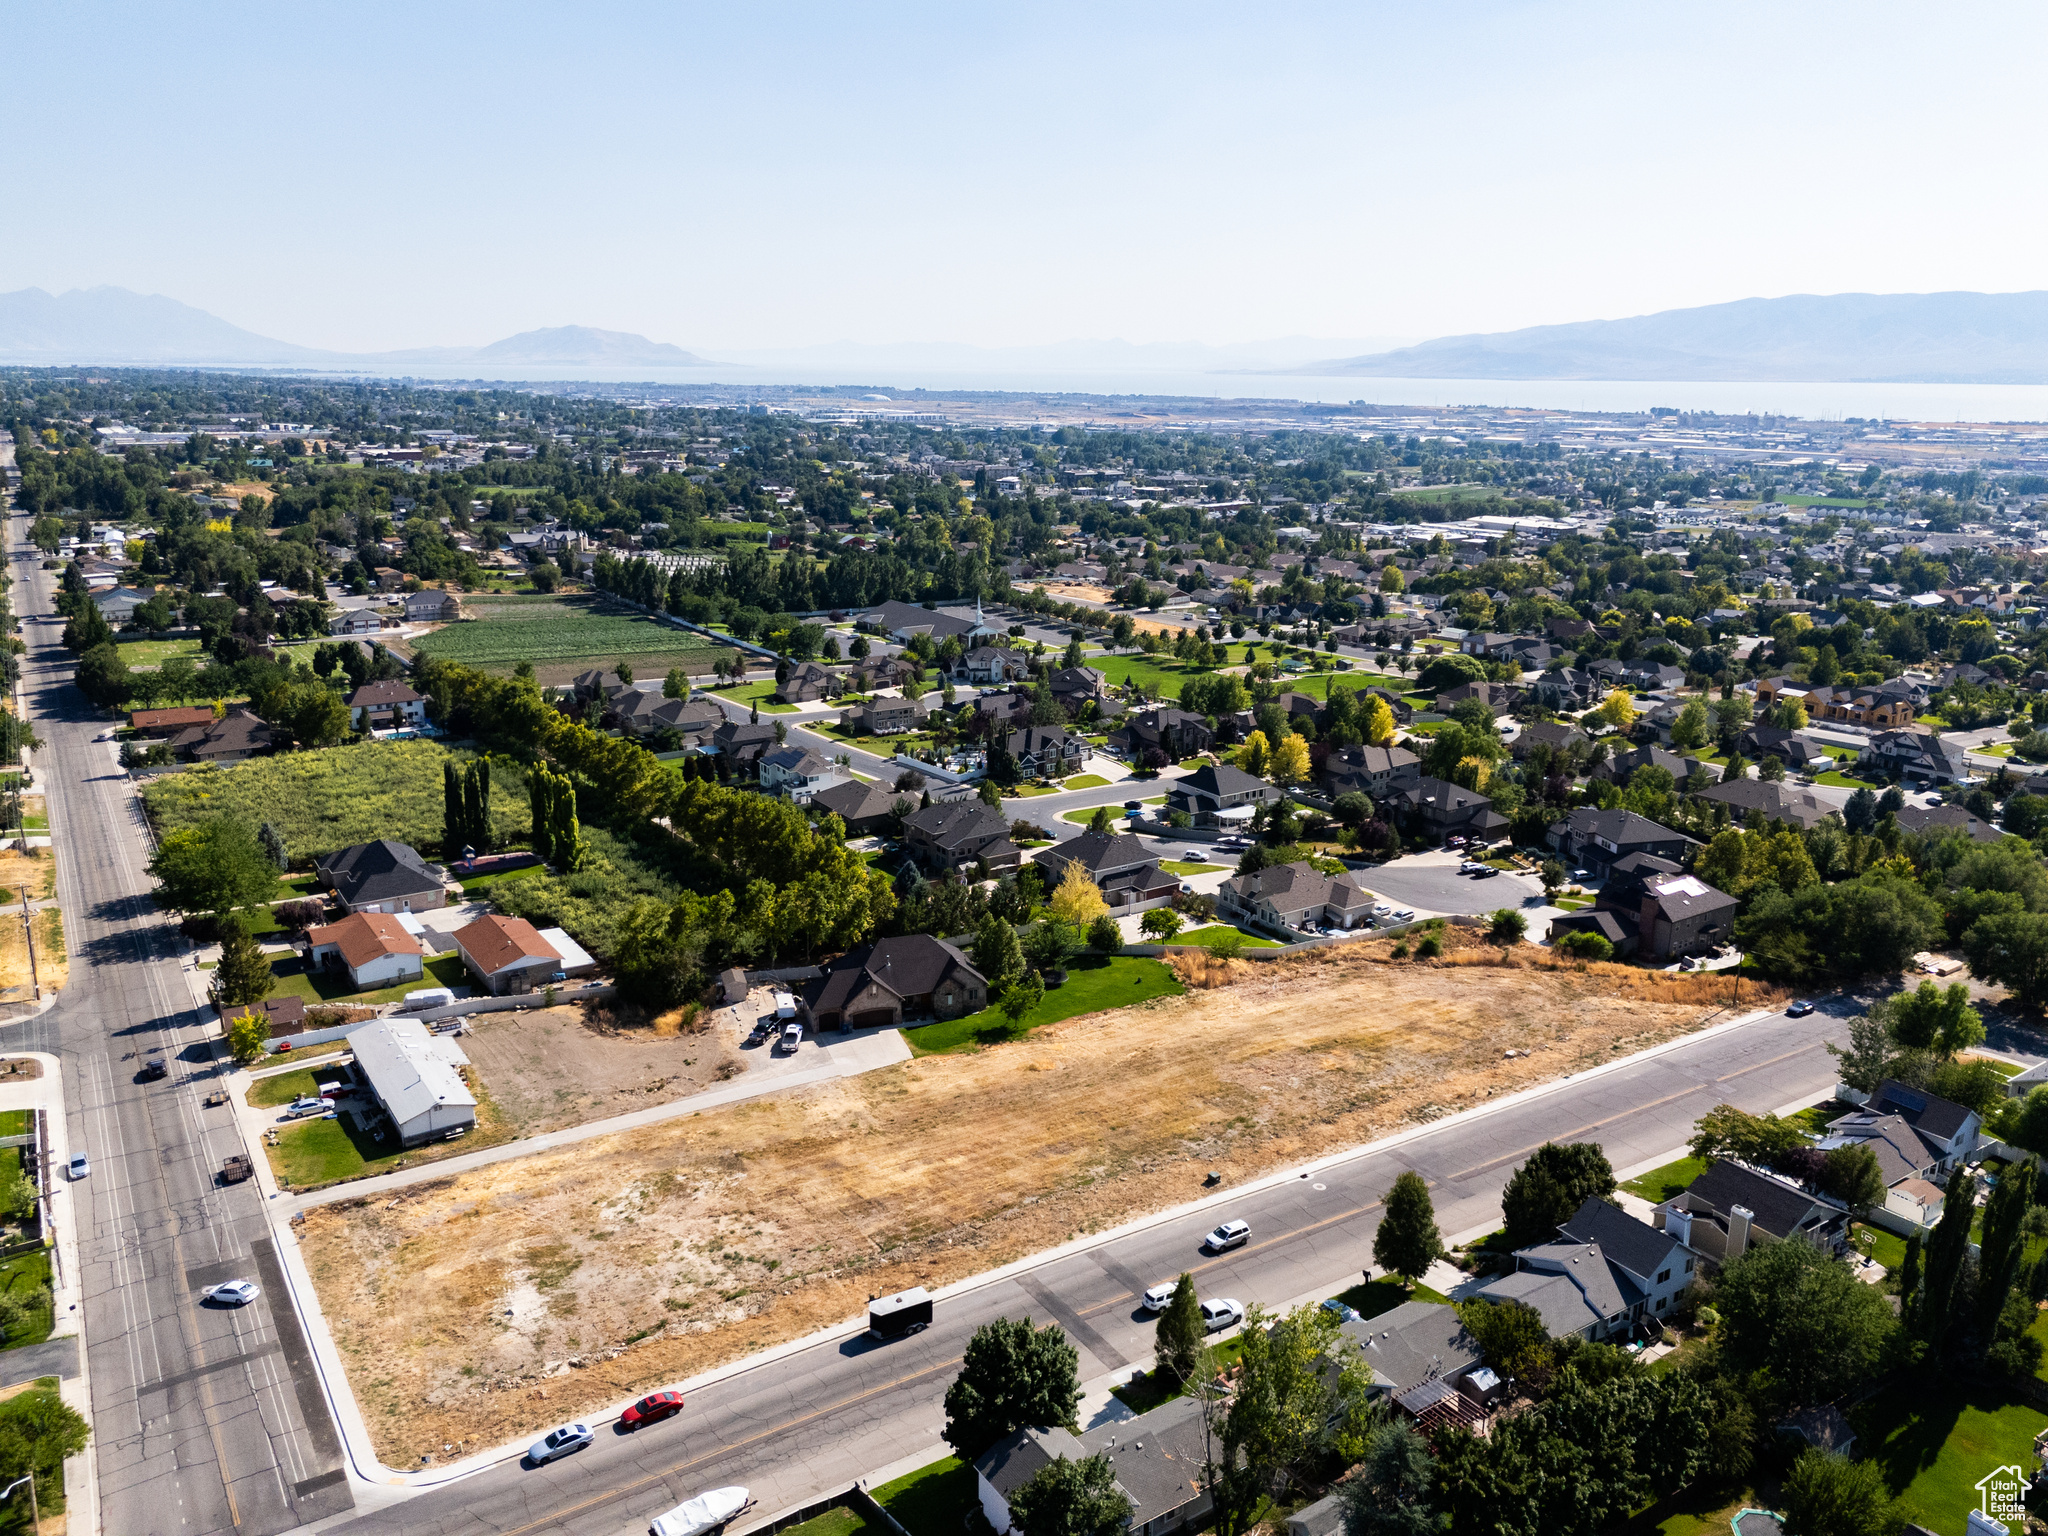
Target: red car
<point x="652" y="1409"/>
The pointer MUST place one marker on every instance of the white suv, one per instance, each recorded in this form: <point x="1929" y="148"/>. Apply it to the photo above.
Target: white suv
<point x="1232" y="1234"/>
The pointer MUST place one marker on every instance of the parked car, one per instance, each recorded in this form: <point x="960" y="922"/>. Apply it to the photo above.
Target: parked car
<point x="1223" y="1312"/>
<point x="1157" y="1298"/>
<point x="1484" y="872"/>
<point x="79" y="1166"/>
<point x="232" y="1293"/>
<point x="1403" y="914"/>
<point x="652" y="1409"/>
<point x="1798" y="1010"/>
<point x="1454" y="842"/>
<point x="302" y="1107"/>
<point x="1470" y="867"/>
<point x="1135" y="807"/>
<point x="1382" y="908"/>
<point x="1232" y="1234"/>
<point x="711" y="1511"/>
<point x="559" y="1442"/>
<point x="1342" y="1311"/>
<point x="792" y="1036"/>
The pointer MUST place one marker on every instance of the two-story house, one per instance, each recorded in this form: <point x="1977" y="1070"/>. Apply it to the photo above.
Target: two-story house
<point x="1606" y="1273"/>
<point x="1045" y="751"/>
<point x="807" y="683"/>
<point x="1373" y="771"/>
<point x="1295" y="898"/>
<point x="882" y="717"/>
<point x="1915" y="754"/>
<point x="797" y="773"/>
<point x="386" y="705"/>
<point x="1596" y="838"/>
<point x="958" y="834"/>
<point x="1218" y="795"/>
<point x="1173" y="732"/>
<point x="1123" y="869"/>
<point x="990" y="665"/>
<point x="1729" y="1209"/>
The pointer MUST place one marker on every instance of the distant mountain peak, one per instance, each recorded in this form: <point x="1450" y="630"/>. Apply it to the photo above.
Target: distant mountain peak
<point x="585" y="344"/>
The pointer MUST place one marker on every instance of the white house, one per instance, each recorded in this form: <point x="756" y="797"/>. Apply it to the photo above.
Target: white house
<point x="416" y="1076"/>
<point x="373" y="949"/>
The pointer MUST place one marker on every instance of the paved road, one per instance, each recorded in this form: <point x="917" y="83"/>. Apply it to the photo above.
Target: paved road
<point x="203" y="1419"/>
<point x="807" y="1423"/>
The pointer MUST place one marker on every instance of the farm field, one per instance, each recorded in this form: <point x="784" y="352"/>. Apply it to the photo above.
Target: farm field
<point x="326" y="800"/>
<point x="709" y="1237"/>
<point x="562" y="636"/>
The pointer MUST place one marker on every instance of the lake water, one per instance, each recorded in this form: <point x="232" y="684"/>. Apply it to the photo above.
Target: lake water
<point x="1824" y="401"/>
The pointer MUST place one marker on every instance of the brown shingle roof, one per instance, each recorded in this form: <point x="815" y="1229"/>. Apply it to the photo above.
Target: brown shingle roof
<point x="495" y="942"/>
<point x="365" y="936"/>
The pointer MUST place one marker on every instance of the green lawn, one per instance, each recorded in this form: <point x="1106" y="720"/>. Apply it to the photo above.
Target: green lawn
<point x="322" y="986"/>
<point x="269" y="1092"/>
<point x="1093" y="984"/>
<point x="2002" y="1068"/>
<point x="1371" y="1298"/>
<point x="1570" y="903"/>
<point x="154" y="653"/>
<point x="1888" y="1248"/>
<point x="834" y="1522"/>
<point x="25" y="1274"/>
<point x="936" y="1500"/>
<point x="1214" y="931"/>
<point x="16" y="1122"/>
<point x="1936" y="1436"/>
<point x="1163" y="672"/>
<point x="1843" y="781"/>
<point x="1155" y="1387"/>
<point x="1660" y="1184"/>
<point x="319" y="1151"/>
<point x="1181" y="867"/>
<point x="485" y="882"/>
<point x="756" y="693"/>
<point x="1086" y="781"/>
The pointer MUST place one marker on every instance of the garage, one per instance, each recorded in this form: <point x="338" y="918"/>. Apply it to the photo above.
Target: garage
<point x="872" y="1018"/>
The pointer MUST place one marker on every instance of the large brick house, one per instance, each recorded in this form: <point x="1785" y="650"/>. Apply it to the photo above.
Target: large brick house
<point x="892" y="981"/>
<point x="958" y="834"/>
<point x="1123" y="869"/>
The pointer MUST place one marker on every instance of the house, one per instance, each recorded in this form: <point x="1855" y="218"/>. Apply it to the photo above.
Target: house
<point x="431" y="606"/>
<point x="807" y="682"/>
<point x="383" y="876"/>
<point x="1947" y="1132"/>
<point x="647" y="712"/>
<point x="878" y="672"/>
<point x="507" y="954"/>
<point x="960" y="835"/>
<point x="865" y="808"/>
<point x="166" y="722"/>
<point x="1686" y="772"/>
<point x="1074" y="687"/>
<point x="882" y="717"/>
<point x="1498" y="697"/>
<point x="1944" y="820"/>
<point x="388" y="580"/>
<point x="354" y="621"/>
<point x="743" y="743"/>
<point x="1885" y="708"/>
<point x="236" y="735"/>
<point x="374" y="949"/>
<point x="1754" y="802"/>
<point x="1158" y="1458"/>
<point x="892" y="980"/>
<point x="1652" y="906"/>
<point x="1174" y="733"/>
<point x="1046" y="751"/>
<point x="117" y="605"/>
<point x="278" y="1015"/>
<point x="988" y="665"/>
<point x="1373" y="771"/>
<point x="1606" y="1273"/>
<point x="1415" y="1345"/>
<point x="1558" y="735"/>
<point x="1295" y="898"/>
<point x="797" y="773"/>
<point x="1218" y="795"/>
<point x="1730" y="1207"/>
<point x="1915" y="755"/>
<point x="1798" y="749"/>
<point x="1596" y="838"/>
<point x="386" y="705"/>
<point x="1441" y="809"/>
<point x="1128" y="875"/>
<point x="416" y="1077"/>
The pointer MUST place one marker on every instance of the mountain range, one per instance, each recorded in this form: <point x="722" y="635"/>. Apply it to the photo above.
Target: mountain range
<point x="114" y="326"/>
<point x="1925" y="338"/>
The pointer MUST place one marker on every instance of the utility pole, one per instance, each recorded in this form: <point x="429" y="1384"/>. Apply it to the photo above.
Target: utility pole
<point x="28" y="928"/>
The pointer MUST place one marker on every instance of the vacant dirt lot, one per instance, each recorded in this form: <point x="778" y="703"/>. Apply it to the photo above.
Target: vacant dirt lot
<point x="556" y="1066"/>
<point x="648" y="1257"/>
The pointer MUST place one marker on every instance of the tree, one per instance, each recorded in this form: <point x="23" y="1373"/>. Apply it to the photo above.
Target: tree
<point x="676" y="685"/>
<point x="2011" y="949"/>
<point x="1507" y="928"/>
<point x="1802" y="1320"/>
<point x="1931" y="1018"/>
<point x="1077" y="900"/>
<point x="1391" y="1493"/>
<point x="1558" y="1178"/>
<point x="38" y="1430"/>
<point x="1160" y="924"/>
<point x="1253" y="754"/>
<point x="215" y="866"/>
<point x="1867" y="1059"/>
<point x="1376" y="723"/>
<point x="1099" y="823"/>
<point x="1289" y="763"/>
<point x="1945" y="1253"/>
<point x="998" y="954"/>
<point x="1021" y="996"/>
<point x="1288" y="1404"/>
<point x="455" y="812"/>
<point x="1833" y="1496"/>
<point x="1513" y="1337"/>
<point x="1011" y="1376"/>
<point x="1852" y="1176"/>
<point x="1584" y="944"/>
<point x="545" y="575"/>
<point x="1725" y="1131"/>
<point x="1407" y="1241"/>
<point x="1553" y="876"/>
<point x="243" y="975"/>
<point x="1618" y="710"/>
<point x="1178" y="1340"/>
<point x="248" y="1037"/>
<point x="2003" y="1245"/>
<point x="1104" y="935"/>
<point x="1050" y="944"/>
<point x="272" y="839"/>
<point x="102" y="676"/>
<point x="1071" y="1498"/>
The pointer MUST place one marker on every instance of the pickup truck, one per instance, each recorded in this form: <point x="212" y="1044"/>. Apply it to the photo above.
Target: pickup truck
<point x="236" y="1169"/>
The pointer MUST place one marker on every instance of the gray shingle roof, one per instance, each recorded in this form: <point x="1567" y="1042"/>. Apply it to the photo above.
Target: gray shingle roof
<point x="1634" y="1244"/>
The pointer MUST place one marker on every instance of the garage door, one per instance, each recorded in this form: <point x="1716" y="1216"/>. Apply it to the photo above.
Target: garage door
<point x="871" y="1018"/>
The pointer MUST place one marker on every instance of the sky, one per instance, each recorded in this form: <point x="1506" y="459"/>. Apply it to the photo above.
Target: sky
<point x="739" y="178"/>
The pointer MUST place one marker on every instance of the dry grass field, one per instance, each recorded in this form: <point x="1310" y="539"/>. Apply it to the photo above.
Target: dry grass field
<point x="647" y="1257"/>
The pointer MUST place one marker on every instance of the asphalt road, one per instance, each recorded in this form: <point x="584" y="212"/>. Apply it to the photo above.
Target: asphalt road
<point x="1430" y="882"/>
<point x="808" y="1423"/>
<point x="203" y="1419"/>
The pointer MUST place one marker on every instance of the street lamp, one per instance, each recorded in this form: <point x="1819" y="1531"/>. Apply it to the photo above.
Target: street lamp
<point x="35" y="1513"/>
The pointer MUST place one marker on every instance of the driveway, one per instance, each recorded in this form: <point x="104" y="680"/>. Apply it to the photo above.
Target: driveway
<point x="1431" y="884"/>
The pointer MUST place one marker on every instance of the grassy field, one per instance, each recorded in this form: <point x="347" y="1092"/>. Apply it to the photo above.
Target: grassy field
<point x="935" y="1500"/>
<point x="1163" y="671"/>
<point x="756" y="693"/>
<point x="1092" y="985"/>
<point x="1183" y="867"/>
<point x="154" y="653"/>
<point x="1843" y="781"/>
<point x="326" y="800"/>
<point x="1888" y="1248"/>
<point x="323" y="986"/>
<point x="269" y="1092"/>
<point x="834" y="1522"/>
<point x="1937" y="1436"/>
<point x="1215" y="931"/>
<point x="1660" y="1184"/>
<point x="499" y="632"/>
<point x="1085" y="781"/>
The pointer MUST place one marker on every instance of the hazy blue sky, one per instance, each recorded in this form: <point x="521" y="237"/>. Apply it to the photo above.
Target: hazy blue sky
<point x="371" y="175"/>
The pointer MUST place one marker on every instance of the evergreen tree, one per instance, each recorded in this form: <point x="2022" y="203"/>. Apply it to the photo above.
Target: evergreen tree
<point x="998" y="954"/>
<point x="1177" y="1343"/>
<point x="1945" y="1258"/>
<point x="2002" y="1246"/>
<point x="273" y="843"/>
<point x="243" y="975"/>
<point x="537" y="806"/>
<point x="1407" y="1241"/>
<point x="454" y="811"/>
<point x="1909" y="1277"/>
<point x="476" y="805"/>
